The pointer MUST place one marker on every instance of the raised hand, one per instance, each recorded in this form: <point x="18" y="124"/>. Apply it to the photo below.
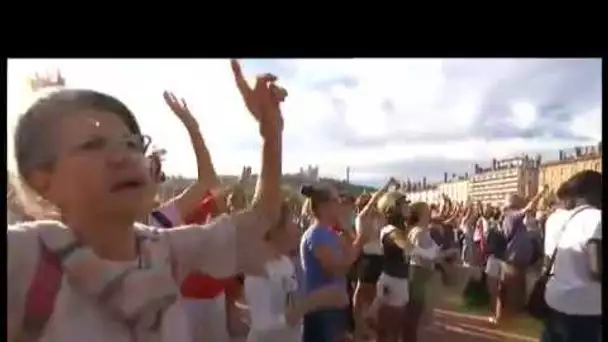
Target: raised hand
<point x="391" y="184"/>
<point x="262" y="100"/>
<point x="394" y="182"/>
<point x="179" y="107"/>
<point x="545" y="189"/>
<point x="245" y="175"/>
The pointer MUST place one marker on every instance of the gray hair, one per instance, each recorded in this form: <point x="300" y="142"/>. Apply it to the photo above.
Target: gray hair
<point x="36" y="130"/>
<point x="34" y="141"/>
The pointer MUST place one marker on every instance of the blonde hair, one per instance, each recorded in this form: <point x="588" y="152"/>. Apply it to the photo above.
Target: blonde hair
<point x="415" y="212"/>
<point x="306" y="208"/>
<point x="389" y="202"/>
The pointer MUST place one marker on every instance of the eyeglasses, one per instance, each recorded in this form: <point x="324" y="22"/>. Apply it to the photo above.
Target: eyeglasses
<point x="135" y="142"/>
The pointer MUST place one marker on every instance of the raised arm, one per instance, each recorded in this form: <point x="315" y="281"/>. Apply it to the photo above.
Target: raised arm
<point x="531" y="205"/>
<point x="263" y="102"/>
<point x="234" y="243"/>
<point x="444" y="206"/>
<point x="453" y="214"/>
<point x="333" y="264"/>
<point x="221" y="195"/>
<point x="207" y="180"/>
<point x="375" y="197"/>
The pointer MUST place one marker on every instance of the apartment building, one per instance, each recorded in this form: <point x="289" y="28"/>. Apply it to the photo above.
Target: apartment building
<point x="430" y="195"/>
<point x="554" y="173"/>
<point x="518" y="175"/>
<point x="421" y="191"/>
<point x="456" y="188"/>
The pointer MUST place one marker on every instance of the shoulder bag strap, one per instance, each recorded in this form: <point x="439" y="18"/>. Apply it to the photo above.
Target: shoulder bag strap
<point x="41" y="295"/>
<point x="561" y="232"/>
<point x="162" y="219"/>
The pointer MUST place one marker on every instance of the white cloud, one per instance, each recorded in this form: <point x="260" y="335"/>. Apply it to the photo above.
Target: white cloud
<point x="329" y="101"/>
<point x="589" y="124"/>
<point x="524" y="114"/>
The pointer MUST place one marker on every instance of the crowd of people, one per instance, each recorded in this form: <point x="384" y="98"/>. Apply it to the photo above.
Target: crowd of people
<point x="96" y="256"/>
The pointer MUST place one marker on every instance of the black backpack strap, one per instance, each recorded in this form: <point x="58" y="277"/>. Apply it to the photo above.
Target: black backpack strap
<point x="162" y="219"/>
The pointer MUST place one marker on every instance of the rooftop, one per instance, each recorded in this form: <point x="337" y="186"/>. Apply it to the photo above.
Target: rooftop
<point x="571" y="160"/>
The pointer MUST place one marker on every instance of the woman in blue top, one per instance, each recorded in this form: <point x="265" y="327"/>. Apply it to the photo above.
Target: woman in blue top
<point x="327" y="256"/>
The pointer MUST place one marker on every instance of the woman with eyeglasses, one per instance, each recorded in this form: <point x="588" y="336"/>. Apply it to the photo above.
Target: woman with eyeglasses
<point x="97" y="275"/>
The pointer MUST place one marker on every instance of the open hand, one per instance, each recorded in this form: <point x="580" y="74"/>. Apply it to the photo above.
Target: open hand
<point x="262" y="100"/>
<point x="179" y="107"/>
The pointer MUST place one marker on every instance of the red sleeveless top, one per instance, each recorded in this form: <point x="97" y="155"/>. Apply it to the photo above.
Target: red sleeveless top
<point x="198" y="285"/>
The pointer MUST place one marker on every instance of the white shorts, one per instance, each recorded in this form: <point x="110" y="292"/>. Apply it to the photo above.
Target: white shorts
<point x="207" y="319"/>
<point x="392" y="291"/>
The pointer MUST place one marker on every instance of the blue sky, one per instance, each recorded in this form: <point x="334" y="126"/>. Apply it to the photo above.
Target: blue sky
<point x="382" y="117"/>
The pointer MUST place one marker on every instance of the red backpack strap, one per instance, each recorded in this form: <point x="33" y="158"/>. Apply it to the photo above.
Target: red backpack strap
<point x="40" y="299"/>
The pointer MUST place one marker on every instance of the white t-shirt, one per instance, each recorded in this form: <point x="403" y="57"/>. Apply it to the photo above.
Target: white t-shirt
<point x="424" y="249"/>
<point x="267" y="296"/>
<point x="571" y="290"/>
<point x="373" y="246"/>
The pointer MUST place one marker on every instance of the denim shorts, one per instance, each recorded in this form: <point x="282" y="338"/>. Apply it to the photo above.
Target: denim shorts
<point x="324" y="325"/>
